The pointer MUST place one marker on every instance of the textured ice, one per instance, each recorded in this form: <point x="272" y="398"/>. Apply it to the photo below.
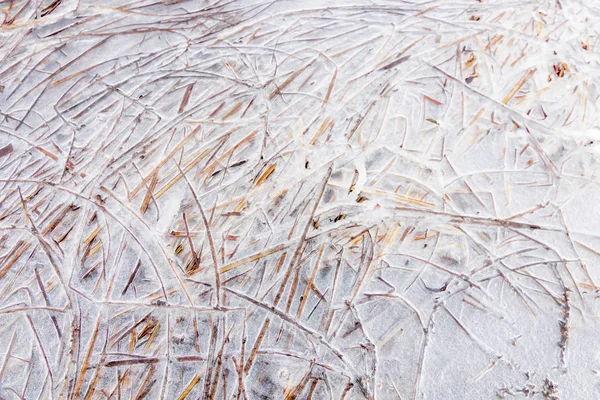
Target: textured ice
<point x="294" y="200"/>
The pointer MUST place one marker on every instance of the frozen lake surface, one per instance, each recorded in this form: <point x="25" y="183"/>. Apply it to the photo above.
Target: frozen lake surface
<point x="299" y="199"/>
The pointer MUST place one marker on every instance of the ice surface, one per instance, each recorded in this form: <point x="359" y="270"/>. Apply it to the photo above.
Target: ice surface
<point x="293" y="200"/>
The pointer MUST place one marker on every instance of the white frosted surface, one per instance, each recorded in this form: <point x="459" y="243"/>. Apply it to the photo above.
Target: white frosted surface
<point x="280" y="200"/>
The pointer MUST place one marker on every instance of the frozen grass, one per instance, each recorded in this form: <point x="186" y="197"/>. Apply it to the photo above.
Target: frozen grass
<point x="281" y="200"/>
